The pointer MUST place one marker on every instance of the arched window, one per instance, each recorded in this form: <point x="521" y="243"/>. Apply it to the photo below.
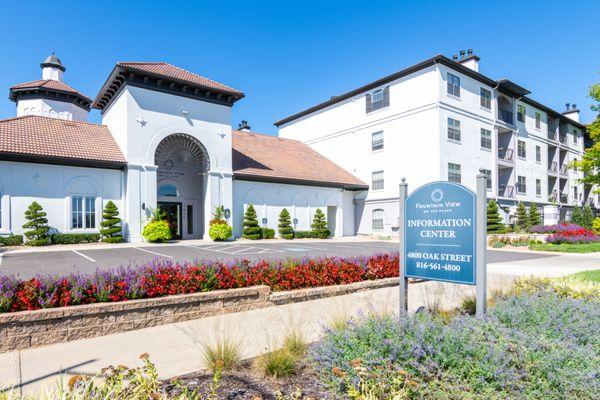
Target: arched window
<point x="168" y="190"/>
<point x="377" y="219"/>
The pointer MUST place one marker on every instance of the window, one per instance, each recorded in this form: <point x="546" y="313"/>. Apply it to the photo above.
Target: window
<point x="488" y="180"/>
<point x="83" y="212"/>
<point x="538" y="154"/>
<point x="521" y="113"/>
<point x="486" y="138"/>
<point x="454" y="172"/>
<point x="485" y="98"/>
<point x="575" y="136"/>
<point x="377" y="220"/>
<point x="453" y="85"/>
<point x="190" y="219"/>
<point x="168" y="190"/>
<point x="538" y="187"/>
<point x="521" y="149"/>
<point x="575" y="193"/>
<point x="378" y="99"/>
<point x="377" y="141"/>
<point x="521" y="184"/>
<point x="574" y="165"/>
<point x="453" y="129"/>
<point x="538" y="120"/>
<point x="377" y="180"/>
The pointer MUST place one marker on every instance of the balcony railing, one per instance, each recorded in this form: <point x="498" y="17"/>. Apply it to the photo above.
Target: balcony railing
<point x="553" y="196"/>
<point x="552" y="133"/>
<point x="563" y="169"/>
<point x="506" y="191"/>
<point x="564" y="198"/>
<point x="562" y="138"/>
<point x="506" y="154"/>
<point x="506" y="116"/>
<point x="553" y="166"/>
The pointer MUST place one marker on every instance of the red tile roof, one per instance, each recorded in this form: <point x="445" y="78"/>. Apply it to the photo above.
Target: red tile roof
<point x="49" y="84"/>
<point x="170" y="71"/>
<point x="270" y="158"/>
<point x="53" y="140"/>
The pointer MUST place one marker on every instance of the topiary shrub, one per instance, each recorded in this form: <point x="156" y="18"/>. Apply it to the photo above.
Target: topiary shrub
<point x="522" y="216"/>
<point x="11" y="240"/>
<point x="157" y="231"/>
<point x="319" y="225"/>
<point x="267" y="233"/>
<point x="74" y="238"/>
<point x="534" y="215"/>
<point x="37" y="223"/>
<point x="285" y="225"/>
<point x="495" y="223"/>
<point x="220" y="232"/>
<point x="251" y="228"/>
<point x="111" y="224"/>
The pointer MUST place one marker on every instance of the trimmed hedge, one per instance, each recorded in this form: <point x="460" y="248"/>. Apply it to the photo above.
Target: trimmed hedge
<point x="74" y="238"/>
<point x="11" y="240"/>
<point x="267" y="233"/>
<point x="304" y="234"/>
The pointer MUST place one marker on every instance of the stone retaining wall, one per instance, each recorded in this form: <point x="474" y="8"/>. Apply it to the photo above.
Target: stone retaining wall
<point x="26" y="329"/>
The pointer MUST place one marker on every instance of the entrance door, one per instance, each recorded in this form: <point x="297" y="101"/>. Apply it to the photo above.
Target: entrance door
<point x="173" y="213"/>
<point x="331" y="219"/>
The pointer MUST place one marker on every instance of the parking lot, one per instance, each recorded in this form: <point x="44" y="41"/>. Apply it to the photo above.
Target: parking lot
<point x="26" y="264"/>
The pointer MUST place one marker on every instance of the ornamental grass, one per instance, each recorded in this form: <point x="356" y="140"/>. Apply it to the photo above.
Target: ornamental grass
<point x="163" y="278"/>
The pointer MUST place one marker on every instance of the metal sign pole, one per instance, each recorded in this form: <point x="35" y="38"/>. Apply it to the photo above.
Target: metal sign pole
<point x="481" y="245"/>
<point x="401" y="261"/>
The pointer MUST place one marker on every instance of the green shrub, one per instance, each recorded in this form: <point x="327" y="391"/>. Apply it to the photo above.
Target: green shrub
<point x="37" y="223"/>
<point x="285" y="225"/>
<point x="495" y="223"/>
<point x="278" y="364"/>
<point x="11" y="240"/>
<point x="157" y="231"/>
<point x="74" y="238"/>
<point x="304" y="234"/>
<point x="587" y="217"/>
<point x="111" y="224"/>
<point x="577" y="216"/>
<point x="498" y="245"/>
<point x="319" y="225"/>
<point x="267" y="233"/>
<point x="596" y="225"/>
<point x="218" y="232"/>
<point x="534" y="215"/>
<point x="251" y="227"/>
<point x="522" y="217"/>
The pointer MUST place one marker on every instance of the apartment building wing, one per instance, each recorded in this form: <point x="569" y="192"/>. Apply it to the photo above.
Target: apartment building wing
<point x="442" y="119"/>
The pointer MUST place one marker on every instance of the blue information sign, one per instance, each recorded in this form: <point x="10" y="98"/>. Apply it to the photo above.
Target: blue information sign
<point x="439" y="240"/>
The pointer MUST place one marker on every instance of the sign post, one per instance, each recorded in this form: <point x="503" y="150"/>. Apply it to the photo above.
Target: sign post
<point x="442" y="236"/>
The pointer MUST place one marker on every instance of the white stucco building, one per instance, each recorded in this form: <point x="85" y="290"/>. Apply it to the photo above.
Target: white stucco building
<point x="442" y="119"/>
<point x="165" y="141"/>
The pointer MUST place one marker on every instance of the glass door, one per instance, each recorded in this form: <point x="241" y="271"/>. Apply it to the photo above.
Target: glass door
<point x="173" y="216"/>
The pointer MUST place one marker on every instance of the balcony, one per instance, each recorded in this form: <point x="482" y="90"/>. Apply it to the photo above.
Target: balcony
<point x="552" y="197"/>
<point x="506" y="154"/>
<point x="506" y="116"/>
<point x="564" y="169"/>
<point x="552" y="167"/>
<point x="563" y="138"/>
<point x="564" y="198"/>
<point x="506" y="191"/>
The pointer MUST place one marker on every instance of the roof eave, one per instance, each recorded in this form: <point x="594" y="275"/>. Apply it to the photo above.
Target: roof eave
<point x="297" y="181"/>
<point x="67" y="161"/>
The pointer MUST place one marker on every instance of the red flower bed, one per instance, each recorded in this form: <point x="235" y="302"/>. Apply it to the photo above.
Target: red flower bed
<point x="163" y="278"/>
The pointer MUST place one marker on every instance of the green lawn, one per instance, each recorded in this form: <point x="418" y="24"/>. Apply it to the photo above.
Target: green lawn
<point x="567" y="248"/>
<point x="591" y="276"/>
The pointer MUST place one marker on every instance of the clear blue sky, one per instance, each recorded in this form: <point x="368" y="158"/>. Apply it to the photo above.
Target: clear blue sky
<point x="288" y="56"/>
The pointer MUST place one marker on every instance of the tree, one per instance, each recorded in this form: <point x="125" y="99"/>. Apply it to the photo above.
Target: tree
<point x="577" y="216"/>
<point x="534" y="215"/>
<point x="590" y="162"/>
<point x="495" y="223"/>
<point x="111" y="224"/>
<point x="251" y="227"/>
<point x="522" y="217"/>
<point x="37" y="223"/>
<point x="587" y="217"/>
<point x="319" y="225"/>
<point x="285" y="225"/>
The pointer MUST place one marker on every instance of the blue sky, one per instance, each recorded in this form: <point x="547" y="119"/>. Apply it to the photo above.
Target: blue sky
<point x="288" y="56"/>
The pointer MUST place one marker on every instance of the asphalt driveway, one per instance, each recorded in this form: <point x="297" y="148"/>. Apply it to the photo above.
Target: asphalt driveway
<point x="26" y="264"/>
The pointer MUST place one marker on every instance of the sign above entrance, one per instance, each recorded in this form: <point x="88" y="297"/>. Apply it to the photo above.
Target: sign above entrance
<point x="440" y="233"/>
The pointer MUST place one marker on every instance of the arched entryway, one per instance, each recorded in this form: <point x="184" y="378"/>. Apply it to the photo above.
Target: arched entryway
<point x="183" y="163"/>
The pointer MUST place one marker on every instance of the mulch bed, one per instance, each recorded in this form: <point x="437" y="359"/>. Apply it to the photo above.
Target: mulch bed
<point x="245" y="383"/>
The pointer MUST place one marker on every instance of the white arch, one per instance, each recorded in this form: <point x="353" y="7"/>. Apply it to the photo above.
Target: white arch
<point x="172" y="130"/>
<point x="251" y="192"/>
<point x="301" y="197"/>
<point x="330" y="201"/>
<point x="71" y="185"/>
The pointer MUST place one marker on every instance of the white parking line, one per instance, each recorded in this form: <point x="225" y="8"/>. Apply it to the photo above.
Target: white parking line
<point x="152" y="252"/>
<point x="242" y="250"/>
<point x="84" y="256"/>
